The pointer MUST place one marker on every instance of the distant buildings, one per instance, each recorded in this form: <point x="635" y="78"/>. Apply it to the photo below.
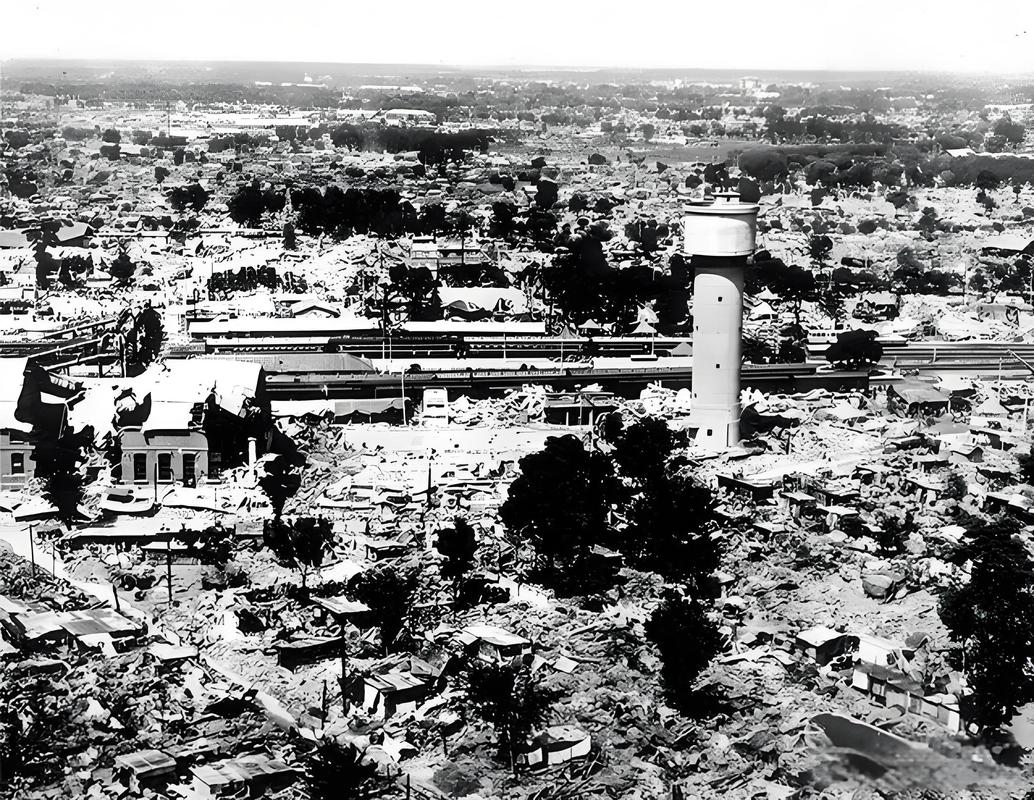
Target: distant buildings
<point x="403" y="117"/>
<point x="751" y="85"/>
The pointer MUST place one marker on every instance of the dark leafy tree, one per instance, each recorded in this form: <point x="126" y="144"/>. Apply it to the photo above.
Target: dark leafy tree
<point x="547" y="194"/>
<point x="17" y="139"/>
<point x="819" y="248"/>
<point x="990" y="619"/>
<point x="510" y="699"/>
<point x="912" y="277"/>
<point x="764" y="163"/>
<point x="46" y="265"/>
<point x="1026" y="462"/>
<point x="857" y="349"/>
<point x="987" y="181"/>
<point x="122" y="269"/>
<point x="388" y="591"/>
<point x="643" y="449"/>
<point x="247" y="205"/>
<point x="290" y="238"/>
<point x="458" y="545"/>
<point x="160" y="174"/>
<point x="898" y="198"/>
<point x="142" y="337"/>
<point x="303" y="542"/>
<point x="668" y="516"/>
<point x="793" y="284"/>
<point x="59" y="462"/>
<point x="111" y="136"/>
<point x="687" y="640"/>
<point x="1012" y="132"/>
<point x="559" y="505"/>
<point x="340" y="771"/>
<point x="280" y="482"/>
<point x="192" y="196"/>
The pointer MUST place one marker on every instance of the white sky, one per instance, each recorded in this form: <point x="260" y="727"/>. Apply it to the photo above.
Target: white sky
<point x="935" y="35"/>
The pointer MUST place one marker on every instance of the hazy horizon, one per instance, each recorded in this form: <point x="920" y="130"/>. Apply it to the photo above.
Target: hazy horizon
<point x="805" y="35"/>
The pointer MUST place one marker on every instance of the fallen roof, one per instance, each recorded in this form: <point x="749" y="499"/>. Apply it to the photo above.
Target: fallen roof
<point x="495" y="636"/>
<point x="12" y="383"/>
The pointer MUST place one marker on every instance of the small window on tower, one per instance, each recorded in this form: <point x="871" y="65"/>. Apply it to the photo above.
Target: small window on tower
<point x="719" y="298"/>
<point x="710" y="432"/>
<point x="717" y="366"/>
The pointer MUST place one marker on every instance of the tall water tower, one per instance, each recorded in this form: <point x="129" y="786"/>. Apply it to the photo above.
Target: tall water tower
<point x="719" y="237"/>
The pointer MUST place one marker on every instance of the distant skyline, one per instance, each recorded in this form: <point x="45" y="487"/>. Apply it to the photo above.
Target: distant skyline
<point x="994" y="37"/>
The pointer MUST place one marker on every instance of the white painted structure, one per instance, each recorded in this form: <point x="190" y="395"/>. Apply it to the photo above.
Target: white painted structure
<point x="720" y="235"/>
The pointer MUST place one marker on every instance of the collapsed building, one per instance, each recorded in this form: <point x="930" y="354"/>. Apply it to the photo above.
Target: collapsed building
<point x="189" y="420"/>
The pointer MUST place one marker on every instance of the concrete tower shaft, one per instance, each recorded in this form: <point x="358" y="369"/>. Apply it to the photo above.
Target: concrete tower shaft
<point x="719" y="237"/>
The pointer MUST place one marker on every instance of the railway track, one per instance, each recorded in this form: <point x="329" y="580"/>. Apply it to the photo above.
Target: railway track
<point x="484" y="383"/>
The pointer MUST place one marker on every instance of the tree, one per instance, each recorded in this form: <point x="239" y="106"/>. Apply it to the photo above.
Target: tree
<point x="193" y="196"/>
<point x="458" y="545"/>
<point x="990" y="619"/>
<point x="509" y="698"/>
<point x="111" y="136"/>
<point x="764" y="163"/>
<point x="340" y="771"/>
<point x="986" y="181"/>
<point x="160" y="174"/>
<point x="303" y="542"/>
<point x="792" y="284"/>
<point x="667" y="514"/>
<point x="819" y="248"/>
<point x="59" y="464"/>
<point x="247" y="205"/>
<point x="1026" y="462"/>
<point x="17" y="139"/>
<point x="648" y="129"/>
<point x="290" y="238"/>
<point x="122" y="268"/>
<point x="143" y="336"/>
<point x="857" y="349"/>
<point x="1012" y="132"/>
<point x="279" y="482"/>
<point x="559" y="505"/>
<point x="388" y="592"/>
<point x="687" y="639"/>
<point x="546" y="193"/>
<point x="46" y="264"/>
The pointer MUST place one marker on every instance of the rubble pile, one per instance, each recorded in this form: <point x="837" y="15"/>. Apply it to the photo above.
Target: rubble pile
<point x="517" y="407"/>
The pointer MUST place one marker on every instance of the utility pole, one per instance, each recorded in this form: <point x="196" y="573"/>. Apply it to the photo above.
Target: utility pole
<point x="168" y="566"/>
<point x="403" y="375"/>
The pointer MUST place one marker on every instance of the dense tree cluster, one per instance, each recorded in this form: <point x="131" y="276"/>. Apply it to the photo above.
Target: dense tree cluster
<point x="342" y="212"/>
<point x="828" y="124"/>
<point x="990" y="618"/>
<point x="431" y="146"/>
<point x="668" y="516"/>
<point x="563" y="504"/>
<point x="511" y="699"/>
<point x="583" y="285"/>
<point x="250" y="202"/>
<point x="912" y="277"/>
<point x="559" y="507"/>
<point x="388" y="593"/>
